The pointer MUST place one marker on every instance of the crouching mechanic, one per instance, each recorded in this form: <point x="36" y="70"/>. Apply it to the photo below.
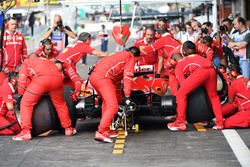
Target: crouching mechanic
<point x="192" y="72"/>
<point x="8" y="121"/>
<point x="108" y="72"/>
<point x="238" y="115"/>
<point x="45" y="77"/>
<point x="72" y="54"/>
<point x="47" y="50"/>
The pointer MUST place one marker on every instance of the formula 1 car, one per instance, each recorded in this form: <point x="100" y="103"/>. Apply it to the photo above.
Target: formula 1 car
<point x="151" y="97"/>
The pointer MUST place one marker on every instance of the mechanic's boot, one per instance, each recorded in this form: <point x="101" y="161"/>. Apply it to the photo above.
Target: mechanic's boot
<point x="173" y="126"/>
<point x="218" y="127"/>
<point x="70" y="131"/>
<point x="112" y="133"/>
<point x="23" y="135"/>
<point x="104" y="137"/>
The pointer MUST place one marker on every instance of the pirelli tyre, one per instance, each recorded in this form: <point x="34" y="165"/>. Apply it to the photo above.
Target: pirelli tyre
<point x="44" y="114"/>
<point x="198" y="107"/>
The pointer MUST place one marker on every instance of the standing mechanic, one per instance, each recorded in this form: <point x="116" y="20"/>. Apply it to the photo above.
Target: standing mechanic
<point x="8" y="121"/>
<point x="43" y="77"/>
<point x="107" y="73"/>
<point x="164" y="46"/>
<point x="14" y="49"/>
<point x="73" y="53"/>
<point x="192" y="72"/>
<point x="152" y="58"/>
<point x="47" y="50"/>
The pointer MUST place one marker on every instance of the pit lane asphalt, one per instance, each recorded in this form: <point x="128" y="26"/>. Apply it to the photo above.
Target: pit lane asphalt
<point x="154" y="146"/>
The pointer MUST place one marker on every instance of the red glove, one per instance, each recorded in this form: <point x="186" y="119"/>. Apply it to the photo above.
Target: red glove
<point x="74" y="96"/>
<point x="79" y="86"/>
<point x="11" y="115"/>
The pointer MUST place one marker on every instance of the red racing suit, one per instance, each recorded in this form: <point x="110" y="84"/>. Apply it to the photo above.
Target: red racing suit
<point x="7" y="117"/>
<point x="149" y="59"/>
<point x="217" y="49"/>
<point x="107" y="73"/>
<point x="70" y="56"/>
<point x="45" y="78"/>
<point x="241" y="95"/>
<point x="14" y="51"/>
<point x="53" y="54"/>
<point x="204" y="51"/>
<point x="170" y="67"/>
<point x="201" y="49"/>
<point x="192" y="72"/>
<point x="166" y="44"/>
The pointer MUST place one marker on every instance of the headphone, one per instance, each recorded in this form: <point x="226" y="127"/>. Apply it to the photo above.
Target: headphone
<point x="222" y="68"/>
<point x="46" y="42"/>
<point x="234" y="71"/>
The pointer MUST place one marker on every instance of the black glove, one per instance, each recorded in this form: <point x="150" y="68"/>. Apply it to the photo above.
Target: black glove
<point x="157" y="75"/>
<point x="127" y="101"/>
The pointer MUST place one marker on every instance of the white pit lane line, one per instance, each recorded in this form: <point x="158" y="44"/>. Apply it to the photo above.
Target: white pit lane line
<point x="238" y="146"/>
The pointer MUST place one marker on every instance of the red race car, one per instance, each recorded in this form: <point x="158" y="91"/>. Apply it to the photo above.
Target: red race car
<point x="151" y="97"/>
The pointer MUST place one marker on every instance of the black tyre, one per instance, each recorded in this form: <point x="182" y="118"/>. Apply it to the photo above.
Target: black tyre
<point x="44" y="116"/>
<point x="198" y="107"/>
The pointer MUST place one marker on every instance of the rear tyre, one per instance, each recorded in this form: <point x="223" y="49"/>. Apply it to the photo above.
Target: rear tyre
<point x="44" y="116"/>
<point x="198" y="107"/>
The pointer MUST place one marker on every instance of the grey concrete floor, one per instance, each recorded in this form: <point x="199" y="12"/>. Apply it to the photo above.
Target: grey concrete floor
<point x="154" y="146"/>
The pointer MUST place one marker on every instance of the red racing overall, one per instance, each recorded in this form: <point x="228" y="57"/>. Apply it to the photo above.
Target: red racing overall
<point x="241" y="95"/>
<point x="53" y="54"/>
<point x="45" y="77"/>
<point x="166" y="44"/>
<point x="70" y="56"/>
<point x="149" y="59"/>
<point x="192" y="72"/>
<point x="7" y="117"/>
<point x="107" y="73"/>
<point x="14" y="51"/>
<point x="164" y="47"/>
<point x="204" y="51"/>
